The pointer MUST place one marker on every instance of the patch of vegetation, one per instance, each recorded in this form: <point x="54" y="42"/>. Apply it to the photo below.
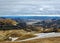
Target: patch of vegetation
<point x="4" y="35"/>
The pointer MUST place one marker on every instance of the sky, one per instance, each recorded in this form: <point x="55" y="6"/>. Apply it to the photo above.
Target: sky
<point x="29" y="7"/>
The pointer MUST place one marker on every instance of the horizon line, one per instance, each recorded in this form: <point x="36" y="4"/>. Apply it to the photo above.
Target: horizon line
<point x="32" y="15"/>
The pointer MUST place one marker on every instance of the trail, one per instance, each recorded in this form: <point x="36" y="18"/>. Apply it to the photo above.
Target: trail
<point x="43" y="35"/>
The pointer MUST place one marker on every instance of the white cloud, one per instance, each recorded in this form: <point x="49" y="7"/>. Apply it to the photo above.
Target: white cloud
<point x="9" y="7"/>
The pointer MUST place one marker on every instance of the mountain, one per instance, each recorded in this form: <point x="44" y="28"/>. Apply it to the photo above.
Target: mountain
<point x="31" y="23"/>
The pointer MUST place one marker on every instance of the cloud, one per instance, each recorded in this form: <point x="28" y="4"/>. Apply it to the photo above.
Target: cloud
<point x="29" y="7"/>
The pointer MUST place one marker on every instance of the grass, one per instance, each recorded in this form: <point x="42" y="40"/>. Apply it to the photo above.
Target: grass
<point x="40" y="40"/>
<point x="4" y="35"/>
<point x="24" y="35"/>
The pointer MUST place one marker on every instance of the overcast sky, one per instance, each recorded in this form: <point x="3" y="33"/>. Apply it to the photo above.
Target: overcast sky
<point x="29" y="7"/>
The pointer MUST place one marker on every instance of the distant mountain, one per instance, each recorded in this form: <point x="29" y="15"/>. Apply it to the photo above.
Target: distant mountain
<point x="49" y="23"/>
<point x="32" y="17"/>
<point x="7" y="23"/>
<point x="36" y="23"/>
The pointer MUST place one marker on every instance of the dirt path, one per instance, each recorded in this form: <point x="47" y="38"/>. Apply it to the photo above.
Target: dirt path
<point x="43" y="35"/>
<point x="41" y="38"/>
